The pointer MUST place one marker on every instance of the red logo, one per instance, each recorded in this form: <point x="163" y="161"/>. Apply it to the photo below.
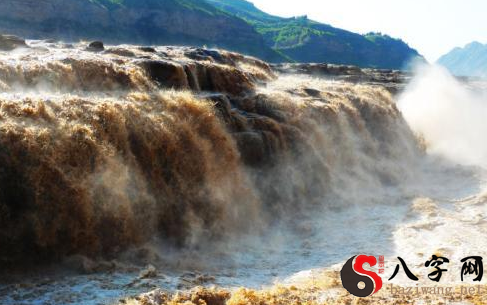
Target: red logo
<point x="357" y="280"/>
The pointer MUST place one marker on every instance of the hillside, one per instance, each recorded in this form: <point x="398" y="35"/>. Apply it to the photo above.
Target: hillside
<point x="236" y="25"/>
<point x="178" y="22"/>
<point x="305" y="40"/>
<point x="470" y="60"/>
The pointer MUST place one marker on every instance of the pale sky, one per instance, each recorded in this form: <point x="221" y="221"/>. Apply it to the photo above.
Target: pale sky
<point x="433" y="27"/>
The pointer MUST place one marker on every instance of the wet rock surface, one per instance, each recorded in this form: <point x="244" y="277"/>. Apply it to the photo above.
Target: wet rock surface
<point x="392" y="80"/>
<point x="11" y="42"/>
<point x="96" y="46"/>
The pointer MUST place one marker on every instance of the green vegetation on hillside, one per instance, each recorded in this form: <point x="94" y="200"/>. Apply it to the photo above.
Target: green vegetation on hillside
<point x="305" y="40"/>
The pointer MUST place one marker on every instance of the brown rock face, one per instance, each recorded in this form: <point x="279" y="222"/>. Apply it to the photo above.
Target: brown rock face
<point x="167" y="74"/>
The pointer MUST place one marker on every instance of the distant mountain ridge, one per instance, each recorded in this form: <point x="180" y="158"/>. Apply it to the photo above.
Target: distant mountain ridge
<point x="305" y="40"/>
<point x="236" y="25"/>
<point x="470" y="60"/>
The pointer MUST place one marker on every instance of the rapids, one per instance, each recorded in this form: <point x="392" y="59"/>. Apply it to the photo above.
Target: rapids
<point x="136" y="168"/>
